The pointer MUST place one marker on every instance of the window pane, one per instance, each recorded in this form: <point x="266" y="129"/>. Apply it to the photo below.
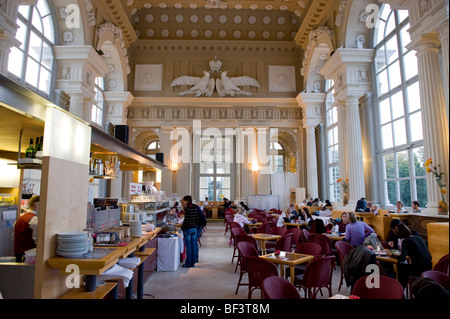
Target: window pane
<point x="385" y="111"/>
<point x="380" y="59"/>
<point x="223" y="168"/>
<point x="221" y="193"/>
<point x="223" y="182"/>
<point x="48" y="28"/>
<point x="21" y="34"/>
<point x="44" y="81"/>
<point x="380" y="30"/>
<point x="416" y="126"/>
<point x="15" y="62"/>
<point x="386" y="134"/>
<point x="390" y="25"/>
<point x="392" y="49"/>
<point x="410" y="63"/>
<point x="35" y="46"/>
<point x="398" y="108"/>
<point x="422" y="196"/>
<point x="400" y="132"/>
<point x="204" y="192"/>
<point x="382" y="83"/>
<point x="413" y="92"/>
<point x="334" y="174"/>
<point x="402" y="15"/>
<point x="391" y="192"/>
<point x="32" y="72"/>
<point x="206" y="182"/>
<point x="36" y="21"/>
<point x="389" y="164"/>
<point x="395" y="78"/>
<point x="405" y="192"/>
<point x="419" y="161"/>
<point x="403" y="164"/>
<point x="47" y="56"/>
<point x="206" y="168"/>
<point x="405" y="37"/>
<point x="24" y="10"/>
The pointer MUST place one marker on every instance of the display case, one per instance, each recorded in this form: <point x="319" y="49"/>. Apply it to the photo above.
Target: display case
<point x="147" y="211"/>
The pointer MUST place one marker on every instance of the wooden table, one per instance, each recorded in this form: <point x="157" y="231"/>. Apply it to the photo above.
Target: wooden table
<point x="289" y="259"/>
<point x="252" y="225"/>
<point x="214" y="211"/>
<point x="390" y="259"/>
<point x="298" y="225"/>
<point x="263" y="238"/>
<point x="334" y="237"/>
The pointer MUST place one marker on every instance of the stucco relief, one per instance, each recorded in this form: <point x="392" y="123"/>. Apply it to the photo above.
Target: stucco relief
<point x="148" y="77"/>
<point x="281" y="78"/>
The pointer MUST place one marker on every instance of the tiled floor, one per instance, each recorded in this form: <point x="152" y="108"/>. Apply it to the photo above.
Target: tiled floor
<point x="213" y="277"/>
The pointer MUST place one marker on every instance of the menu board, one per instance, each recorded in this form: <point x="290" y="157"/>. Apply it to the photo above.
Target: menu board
<point x="135" y="188"/>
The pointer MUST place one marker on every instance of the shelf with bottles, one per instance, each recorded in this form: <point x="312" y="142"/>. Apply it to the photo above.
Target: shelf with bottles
<point x="105" y="166"/>
<point x="33" y="154"/>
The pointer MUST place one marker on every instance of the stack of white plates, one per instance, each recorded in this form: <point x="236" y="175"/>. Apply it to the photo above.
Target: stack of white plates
<point x="72" y="244"/>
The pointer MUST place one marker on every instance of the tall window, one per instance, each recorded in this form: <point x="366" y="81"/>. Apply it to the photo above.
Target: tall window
<point x="332" y="142"/>
<point x="153" y="148"/>
<point x="400" y="116"/>
<point x="97" y="106"/>
<point x="215" y="168"/>
<point x="276" y="157"/>
<point x="32" y="62"/>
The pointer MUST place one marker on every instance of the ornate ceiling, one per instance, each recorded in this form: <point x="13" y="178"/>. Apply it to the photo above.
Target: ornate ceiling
<point x="249" y="20"/>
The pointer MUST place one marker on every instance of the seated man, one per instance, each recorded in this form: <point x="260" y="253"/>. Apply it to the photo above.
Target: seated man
<point x="415" y="206"/>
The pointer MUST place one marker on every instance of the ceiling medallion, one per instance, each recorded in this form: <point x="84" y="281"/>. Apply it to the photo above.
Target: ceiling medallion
<point x="205" y="86"/>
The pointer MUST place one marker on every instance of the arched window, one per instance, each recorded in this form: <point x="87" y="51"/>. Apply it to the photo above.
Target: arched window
<point x="97" y="106"/>
<point x="152" y="148"/>
<point x="332" y="141"/>
<point x="32" y="62"/>
<point x="399" y="111"/>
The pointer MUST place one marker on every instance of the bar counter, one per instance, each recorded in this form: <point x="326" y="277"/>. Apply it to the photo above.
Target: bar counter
<point x="102" y="258"/>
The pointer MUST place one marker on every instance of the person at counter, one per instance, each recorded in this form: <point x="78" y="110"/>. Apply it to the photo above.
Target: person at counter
<point x="189" y="228"/>
<point x="25" y="229"/>
<point x="415" y="206"/>
<point x="172" y="217"/>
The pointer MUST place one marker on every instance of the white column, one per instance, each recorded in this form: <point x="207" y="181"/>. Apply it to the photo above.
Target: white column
<point x="354" y="150"/>
<point x="263" y="149"/>
<point x="443" y="37"/>
<point x="116" y="105"/>
<point x="312" y="186"/>
<point x="434" y="113"/>
<point x="342" y="141"/>
<point x="76" y="104"/>
<point x="166" y="174"/>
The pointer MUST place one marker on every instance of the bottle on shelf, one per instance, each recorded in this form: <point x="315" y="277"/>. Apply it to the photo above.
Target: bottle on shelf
<point x="29" y="152"/>
<point x="38" y="149"/>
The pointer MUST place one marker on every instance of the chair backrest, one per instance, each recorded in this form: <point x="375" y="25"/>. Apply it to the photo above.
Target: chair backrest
<point x="312" y="229"/>
<point x="442" y="265"/>
<point x="246" y="238"/>
<point x="275" y="287"/>
<point x="305" y="234"/>
<point x="296" y="239"/>
<point x="279" y="231"/>
<point x="234" y="224"/>
<point x="437" y="276"/>
<point x="246" y="250"/>
<point x="265" y="228"/>
<point x="323" y="241"/>
<point x="318" y="272"/>
<point x="308" y="248"/>
<point x="229" y="218"/>
<point x="275" y="220"/>
<point x="237" y="231"/>
<point x="381" y="287"/>
<point x="318" y="227"/>
<point x="284" y="243"/>
<point x="259" y="269"/>
<point x="343" y="248"/>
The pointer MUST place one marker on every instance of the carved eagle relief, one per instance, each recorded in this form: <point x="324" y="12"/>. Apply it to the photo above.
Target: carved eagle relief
<point x="205" y="86"/>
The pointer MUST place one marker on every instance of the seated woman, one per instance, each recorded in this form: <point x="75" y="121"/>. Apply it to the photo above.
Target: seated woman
<point x="392" y="240"/>
<point x="240" y="219"/>
<point x="281" y="218"/>
<point x="172" y="217"/>
<point x="416" y="249"/>
<point x="400" y="209"/>
<point x="356" y="231"/>
<point x="305" y="216"/>
<point x="327" y="205"/>
<point x="342" y="222"/>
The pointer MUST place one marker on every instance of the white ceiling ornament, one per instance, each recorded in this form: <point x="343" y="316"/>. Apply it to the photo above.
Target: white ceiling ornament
<point x="205" y="86"/>
<point x="148" y="77"/>
<point x="281" y="78"/>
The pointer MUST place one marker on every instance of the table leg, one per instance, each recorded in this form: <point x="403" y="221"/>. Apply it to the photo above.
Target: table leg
<point x="292" y="274"/>
<point x="91" y="282"/>
<point x="281" y="270"/>
<point x="395" y="267"/>
<point x="140" y="283"/>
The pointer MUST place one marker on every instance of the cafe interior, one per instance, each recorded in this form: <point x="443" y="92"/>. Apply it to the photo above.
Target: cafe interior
<point x="111" y="112"/>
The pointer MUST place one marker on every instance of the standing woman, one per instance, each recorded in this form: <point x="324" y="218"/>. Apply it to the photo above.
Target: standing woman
<point x="356" y="231"/>
<point x="189" y="228"/>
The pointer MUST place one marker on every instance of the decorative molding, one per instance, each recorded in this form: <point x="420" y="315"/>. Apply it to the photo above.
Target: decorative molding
<point x="108" y="26"/>
<point x="281" y="78"/>
<point x="313" y="35"/>
<point x="148" y="77"/>
<point x="90" y="14"/>
<point x="340" y="15"/>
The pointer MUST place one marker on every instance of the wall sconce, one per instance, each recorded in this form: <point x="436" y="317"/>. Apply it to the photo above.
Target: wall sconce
<point x="158" y="176"/>
<point x="254" y="166"/>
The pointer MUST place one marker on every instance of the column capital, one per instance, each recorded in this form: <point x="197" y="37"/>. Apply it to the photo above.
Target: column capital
<point x="427" y="43"/>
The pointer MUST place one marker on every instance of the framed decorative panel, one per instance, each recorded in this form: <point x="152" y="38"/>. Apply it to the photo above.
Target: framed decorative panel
<point x="148" y="77"/>
<point x="281" y="78"/>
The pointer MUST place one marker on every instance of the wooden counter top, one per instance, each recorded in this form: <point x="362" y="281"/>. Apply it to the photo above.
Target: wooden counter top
<point x="102" y="258"/>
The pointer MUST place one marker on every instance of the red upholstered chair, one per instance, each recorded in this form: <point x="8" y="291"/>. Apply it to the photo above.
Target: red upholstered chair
<point x="437" y="276"/>
<point x="307" y="248"/>
<point x="389" y="288"/>
<point x="265" y="228"/>
<point x="312" y="229"/>
<point x="318" y="274"/>
<point x="258" y="270"/>
<point x="278" y="288"/>
<point x="297" y="238"/>
<point x="305" y="234"/>
<point x="232" y="225"/>
<point x="245" y="250"/>
<point x="442" y="265"/>
<point x="343" y="248"/>
<point x="236" y="231"/>
<point x="325" y="243"/>
<point x="276" y="231"/>
<point x="227" y="220"/>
